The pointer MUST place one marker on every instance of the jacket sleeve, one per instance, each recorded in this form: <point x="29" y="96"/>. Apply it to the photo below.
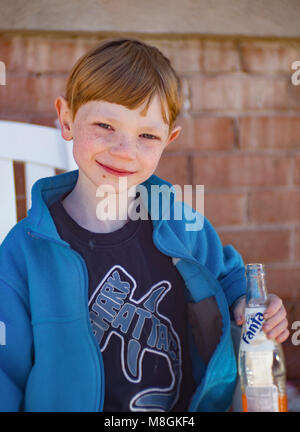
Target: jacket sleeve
<point x="15" y="332"/>
<point x="224" y="262"/>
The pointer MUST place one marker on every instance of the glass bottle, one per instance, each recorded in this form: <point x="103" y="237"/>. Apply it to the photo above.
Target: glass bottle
<point x="261" y="363"/>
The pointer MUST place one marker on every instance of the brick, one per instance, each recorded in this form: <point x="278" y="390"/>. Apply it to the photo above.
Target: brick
<point x="48" y="54"/>
<point x="238" y="92"/>
<point x="269" y="56"/>
<point x="297" y="244"/>
<point x="297" y="170"/>
<point x="43" y="120"/>
<point x="296" y="310"/>
<point x="31" y="94"/>
<point x="284" y="281"/>
<point x="204" y="133"/>
<point x="18" y="117"/>
<point x="293" y="93"/>
<point x="15" y="95"/>
<point x="269" y="132"/>
<point x="274" y="206"/>
<point x="292" y="306"/>
<point x="174" y="169"/>
<point x="220" y="56"/>
<point x="12" y="53"/>
<point x="185" y="55"/>
<point x="241" y="170"/>
<point x="224" y="209"/>
<point x="266" y="246"/>
<point x="292" y="359"/>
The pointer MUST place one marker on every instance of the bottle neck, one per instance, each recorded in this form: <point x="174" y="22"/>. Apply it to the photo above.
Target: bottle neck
<point x="256" y="294"/>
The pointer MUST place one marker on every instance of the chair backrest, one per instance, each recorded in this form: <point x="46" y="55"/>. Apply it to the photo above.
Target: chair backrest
<point x="42" y="149"/>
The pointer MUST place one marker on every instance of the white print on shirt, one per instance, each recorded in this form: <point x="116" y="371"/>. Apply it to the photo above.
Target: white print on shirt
<point x="113" y="310"/>
<point x="2" y="333"/>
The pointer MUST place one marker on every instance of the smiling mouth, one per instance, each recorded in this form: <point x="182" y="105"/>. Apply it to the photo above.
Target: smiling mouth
<point x="115" y="170"/>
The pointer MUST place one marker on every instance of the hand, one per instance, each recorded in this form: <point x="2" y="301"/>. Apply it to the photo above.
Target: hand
<point x="275" y="325"/>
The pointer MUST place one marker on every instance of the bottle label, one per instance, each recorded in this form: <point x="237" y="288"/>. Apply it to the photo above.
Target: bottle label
<point x="253" y="338"/>
<point x="261" y="399"/>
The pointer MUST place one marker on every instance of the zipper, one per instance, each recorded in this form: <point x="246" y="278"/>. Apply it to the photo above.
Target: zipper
<point x="175" y="260"/>
<point x="100" y="358"/>
<point x="36" y="235"/>
<point x="192" y="405"/>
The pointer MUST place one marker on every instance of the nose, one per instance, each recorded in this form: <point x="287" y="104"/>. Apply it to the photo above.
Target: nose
<point x="124" y="149"/>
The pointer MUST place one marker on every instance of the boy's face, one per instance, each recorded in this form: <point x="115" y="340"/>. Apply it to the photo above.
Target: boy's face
<point x="112" y="141"/>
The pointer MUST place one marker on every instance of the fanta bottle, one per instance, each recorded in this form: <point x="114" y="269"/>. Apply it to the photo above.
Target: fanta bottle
<point x="261" y="361"/>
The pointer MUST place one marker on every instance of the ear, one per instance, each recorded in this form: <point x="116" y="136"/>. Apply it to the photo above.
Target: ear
<point x="65" y="117"/>
<point x="174" y="134"/>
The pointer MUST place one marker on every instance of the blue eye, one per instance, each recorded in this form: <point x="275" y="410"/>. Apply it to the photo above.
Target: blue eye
<point x="145" y="135"/>
<point x="104" y="125"/>
<point x="151" y="136"/>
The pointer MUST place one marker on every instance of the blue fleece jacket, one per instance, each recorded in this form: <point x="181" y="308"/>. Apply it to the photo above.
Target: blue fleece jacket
<point x="51" y="361"/>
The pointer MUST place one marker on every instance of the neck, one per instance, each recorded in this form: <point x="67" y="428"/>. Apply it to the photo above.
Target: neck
<point x="94" y="211"/>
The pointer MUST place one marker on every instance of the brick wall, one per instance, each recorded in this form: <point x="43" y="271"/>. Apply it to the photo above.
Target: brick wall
<point x="241" y="137"/>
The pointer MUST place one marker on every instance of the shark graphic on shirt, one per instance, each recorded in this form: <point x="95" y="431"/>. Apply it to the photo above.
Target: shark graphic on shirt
<point x="115" y="311"/>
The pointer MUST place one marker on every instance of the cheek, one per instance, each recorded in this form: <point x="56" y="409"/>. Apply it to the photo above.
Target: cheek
<point x="151" y="159"/>
<point x="85" y="146"/>
<point x="81" y="149"/>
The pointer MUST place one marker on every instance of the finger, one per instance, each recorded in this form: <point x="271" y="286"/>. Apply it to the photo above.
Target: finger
<point x="239" y="314"/>
<point x="277" y="330"/>
<point x="274" y="304"/>
<point x="283" y="336"/>
<point x="239" y="311"/>
<point x="239" y="320"/>
<point x="279" y="316"/>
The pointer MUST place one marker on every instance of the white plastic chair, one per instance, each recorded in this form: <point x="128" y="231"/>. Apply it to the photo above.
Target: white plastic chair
<point x="42" y="149"/>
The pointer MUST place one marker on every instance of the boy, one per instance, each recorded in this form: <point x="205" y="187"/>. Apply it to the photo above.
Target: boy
<point x="118" y="313"/>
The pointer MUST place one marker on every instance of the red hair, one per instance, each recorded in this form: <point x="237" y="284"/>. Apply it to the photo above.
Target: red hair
<point x="127" y="72"/>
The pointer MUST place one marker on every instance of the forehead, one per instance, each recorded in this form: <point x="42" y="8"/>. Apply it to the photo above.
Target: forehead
<point x="151" y="116"/>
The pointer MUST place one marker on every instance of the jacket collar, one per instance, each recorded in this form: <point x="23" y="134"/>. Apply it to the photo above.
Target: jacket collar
<point x="47" y="190"/>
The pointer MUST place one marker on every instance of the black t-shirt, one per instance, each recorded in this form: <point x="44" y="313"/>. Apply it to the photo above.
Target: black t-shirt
<point x="138" y="315"/>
